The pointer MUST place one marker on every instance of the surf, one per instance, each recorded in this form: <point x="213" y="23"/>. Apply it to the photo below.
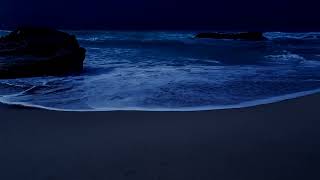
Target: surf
<point x="172" y="71"/>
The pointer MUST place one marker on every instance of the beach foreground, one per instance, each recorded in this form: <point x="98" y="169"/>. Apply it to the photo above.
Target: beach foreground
<point x="274" y="141"/>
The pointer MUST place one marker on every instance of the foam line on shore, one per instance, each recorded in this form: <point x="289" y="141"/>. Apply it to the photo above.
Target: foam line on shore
<point x="203" y="108"/>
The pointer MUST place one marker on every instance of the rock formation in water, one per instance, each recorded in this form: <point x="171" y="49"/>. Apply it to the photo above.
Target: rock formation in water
<point x="39" y="51"/>
<point x="252" y="36"/>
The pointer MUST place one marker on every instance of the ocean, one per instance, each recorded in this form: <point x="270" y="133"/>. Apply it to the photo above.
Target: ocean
<point x="173" y="71"/>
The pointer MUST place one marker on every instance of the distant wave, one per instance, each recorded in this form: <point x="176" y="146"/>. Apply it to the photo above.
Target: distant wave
<point x="141" y="42"/>
<point x="286" y="58"/>
<point x="293" y="36"/>
<point x="101" y="36"/>
<point x="269" y="35"/>
<point x="190" y="40"/>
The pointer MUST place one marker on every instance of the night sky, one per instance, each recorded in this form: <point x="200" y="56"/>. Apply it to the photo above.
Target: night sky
<point x="163" y="14"/>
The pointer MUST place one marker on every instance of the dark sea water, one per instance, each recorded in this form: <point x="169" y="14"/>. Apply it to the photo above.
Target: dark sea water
<point x="173" y="71"/>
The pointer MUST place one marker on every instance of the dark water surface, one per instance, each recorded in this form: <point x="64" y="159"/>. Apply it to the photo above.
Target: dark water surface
<point x="173" y="71"/>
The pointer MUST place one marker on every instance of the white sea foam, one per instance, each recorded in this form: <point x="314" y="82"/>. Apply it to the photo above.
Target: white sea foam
<point x="246" y="104"/>
<point x="285" y="57"/>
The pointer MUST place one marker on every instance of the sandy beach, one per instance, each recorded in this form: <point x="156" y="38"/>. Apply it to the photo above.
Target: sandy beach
<point x="274" y="141"/>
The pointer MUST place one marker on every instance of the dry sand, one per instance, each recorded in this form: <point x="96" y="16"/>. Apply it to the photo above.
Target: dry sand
<point x="274" y="141"/>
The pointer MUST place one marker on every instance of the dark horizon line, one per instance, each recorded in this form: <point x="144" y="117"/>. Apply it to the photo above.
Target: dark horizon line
<point x="168" y="28"/>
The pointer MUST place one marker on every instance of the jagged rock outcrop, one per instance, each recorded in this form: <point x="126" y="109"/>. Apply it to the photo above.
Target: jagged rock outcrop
<point x="29" y="52"/>
<point x="252" y="36"/>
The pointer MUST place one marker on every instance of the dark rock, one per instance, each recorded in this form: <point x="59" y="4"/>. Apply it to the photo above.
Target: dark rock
<point x="39" y="51"/>
<point x="252" y="36"/>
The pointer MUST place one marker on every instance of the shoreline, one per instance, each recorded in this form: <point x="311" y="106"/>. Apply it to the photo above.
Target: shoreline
<point x="247" y="104"/>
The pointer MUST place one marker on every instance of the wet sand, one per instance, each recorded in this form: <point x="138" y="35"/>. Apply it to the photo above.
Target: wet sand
<point x="275" y="141"/>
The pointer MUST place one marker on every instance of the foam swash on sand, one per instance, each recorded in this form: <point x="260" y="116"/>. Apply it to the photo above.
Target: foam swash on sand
<point x="174" y="71"/>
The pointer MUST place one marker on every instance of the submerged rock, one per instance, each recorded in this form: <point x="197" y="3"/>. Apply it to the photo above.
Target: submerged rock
<point x="252" y="36"/>
<point x="39" y="51"/>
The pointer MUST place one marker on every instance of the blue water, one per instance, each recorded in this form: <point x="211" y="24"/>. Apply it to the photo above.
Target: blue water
<point x="174" y="71"/>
